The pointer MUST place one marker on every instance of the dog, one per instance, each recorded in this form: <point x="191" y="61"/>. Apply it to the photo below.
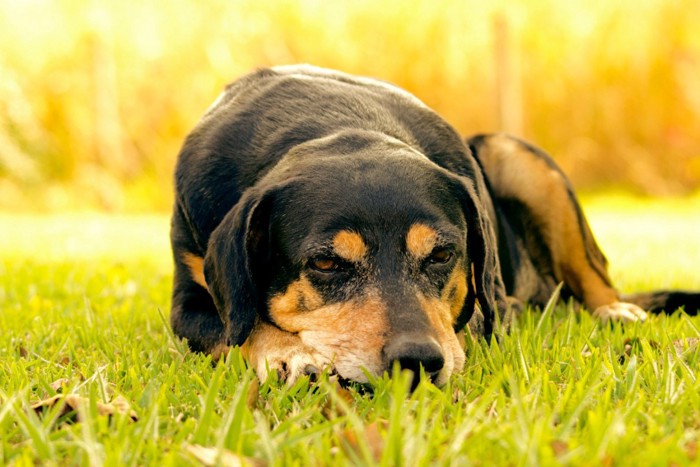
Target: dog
<point x="328" y="221"/>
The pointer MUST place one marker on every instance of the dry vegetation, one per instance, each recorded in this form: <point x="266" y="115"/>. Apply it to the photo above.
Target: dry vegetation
<point x="96" y="97"/>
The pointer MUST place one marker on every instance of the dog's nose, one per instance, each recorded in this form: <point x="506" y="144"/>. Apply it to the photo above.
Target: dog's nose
<point x="412" y="351"/>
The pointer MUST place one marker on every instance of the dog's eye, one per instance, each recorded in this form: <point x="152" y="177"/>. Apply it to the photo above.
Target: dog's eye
<point x="440" y="256"/>
<point x="324" y="264"/>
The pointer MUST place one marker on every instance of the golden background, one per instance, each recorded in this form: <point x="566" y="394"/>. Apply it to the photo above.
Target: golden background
<point x="97" y="96"/>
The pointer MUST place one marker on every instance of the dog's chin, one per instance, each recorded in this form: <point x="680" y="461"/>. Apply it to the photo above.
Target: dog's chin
<point x="353" y="373"/>
<point x="358" y="377"/>
<point x="350" y="385"/>
<point x="356" y="364"/>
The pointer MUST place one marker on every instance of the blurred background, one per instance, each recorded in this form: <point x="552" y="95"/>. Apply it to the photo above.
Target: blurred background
<point x="96" y="97"/>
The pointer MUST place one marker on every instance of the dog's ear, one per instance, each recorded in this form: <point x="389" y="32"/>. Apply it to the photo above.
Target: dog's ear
<point x="486" y="283"/>
<point x="236" y="249"/>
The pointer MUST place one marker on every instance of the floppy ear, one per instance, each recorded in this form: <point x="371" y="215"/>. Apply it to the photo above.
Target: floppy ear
<point x="236" y="248"/>
<point x="486" y="283"/>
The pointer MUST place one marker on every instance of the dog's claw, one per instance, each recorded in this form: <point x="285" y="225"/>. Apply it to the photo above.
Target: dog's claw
<point x="312" y="372"/>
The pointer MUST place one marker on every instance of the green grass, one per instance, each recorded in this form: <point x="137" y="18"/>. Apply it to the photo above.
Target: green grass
<point x="84" y="300"/>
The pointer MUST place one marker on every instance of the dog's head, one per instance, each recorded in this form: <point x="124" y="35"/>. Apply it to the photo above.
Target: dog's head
<point x="367" y="250"/>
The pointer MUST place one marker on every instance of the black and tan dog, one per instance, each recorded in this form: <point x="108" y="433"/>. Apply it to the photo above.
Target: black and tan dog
<point x="326" y="220"/>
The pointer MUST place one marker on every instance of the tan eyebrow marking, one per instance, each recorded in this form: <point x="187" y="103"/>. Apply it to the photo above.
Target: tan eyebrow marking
<point x="420" y="240"/>
<point x="349" y="246"/>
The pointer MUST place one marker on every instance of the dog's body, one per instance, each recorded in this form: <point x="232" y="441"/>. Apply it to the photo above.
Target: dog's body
<point x="327" y="220"/>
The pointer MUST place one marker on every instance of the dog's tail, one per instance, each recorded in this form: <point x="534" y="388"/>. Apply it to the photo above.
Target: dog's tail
<point x="666" y="301"/>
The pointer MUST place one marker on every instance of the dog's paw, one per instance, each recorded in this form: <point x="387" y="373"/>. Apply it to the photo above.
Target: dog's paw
<point x="269" y="350"/>
<point x="291" y="363"/>
<point x="620" y="311"/>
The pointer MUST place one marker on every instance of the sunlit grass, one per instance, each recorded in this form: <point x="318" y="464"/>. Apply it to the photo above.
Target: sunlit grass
<point x="84" y="302"/>
<point x="650" y="243"/>
<point x="61" y="238"/>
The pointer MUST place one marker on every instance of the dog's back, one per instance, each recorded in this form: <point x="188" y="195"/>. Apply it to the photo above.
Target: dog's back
<point x="261" y="116"/>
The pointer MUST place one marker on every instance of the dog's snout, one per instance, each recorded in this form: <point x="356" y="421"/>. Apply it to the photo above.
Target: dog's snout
<point x="412" y="351"/>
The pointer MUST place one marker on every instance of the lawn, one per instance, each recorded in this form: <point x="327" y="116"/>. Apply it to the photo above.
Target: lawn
<point x="84" y="301"/>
